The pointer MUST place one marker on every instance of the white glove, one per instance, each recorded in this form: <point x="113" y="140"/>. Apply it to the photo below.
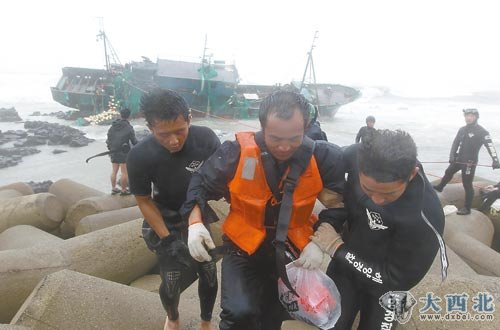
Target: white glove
<point x="311" y="257"/>
<point x="198" y="241"/>
<point x="327" y="238"/>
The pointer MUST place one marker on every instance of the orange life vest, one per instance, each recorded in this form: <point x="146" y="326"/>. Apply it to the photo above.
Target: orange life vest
<point x="250" y="193"/>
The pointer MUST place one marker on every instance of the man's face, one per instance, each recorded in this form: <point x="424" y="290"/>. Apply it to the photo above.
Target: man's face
<point x="284" y="136"/>
<point x="470" y="118"/>
<point x="370" y="124"/>
<point x="171" y="134"/>
<point x="383" y="193"/>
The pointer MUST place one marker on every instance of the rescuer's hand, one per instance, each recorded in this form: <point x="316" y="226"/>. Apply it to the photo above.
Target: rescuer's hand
<point x="198" y="241"/>
<point x="311" y="257"/>
<point x="327" y="238"/>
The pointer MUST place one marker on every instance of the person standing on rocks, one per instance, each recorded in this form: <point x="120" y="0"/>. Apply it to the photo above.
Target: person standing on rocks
<point x="120" y="135"/>
<point x="363" y="131"/>
<point x="259" y="174"/>
<point x="464" y="156"/>
<point x="166" y="160"/>
<point x="385" y="239"/>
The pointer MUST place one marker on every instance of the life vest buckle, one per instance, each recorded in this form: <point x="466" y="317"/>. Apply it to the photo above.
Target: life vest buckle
<point x="274" y="201"/>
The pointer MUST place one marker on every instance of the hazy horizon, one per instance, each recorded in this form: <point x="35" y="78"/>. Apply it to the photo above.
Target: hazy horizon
<point x="417" y="49"/>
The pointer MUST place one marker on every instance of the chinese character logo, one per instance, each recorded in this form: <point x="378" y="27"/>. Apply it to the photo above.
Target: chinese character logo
<point x="400" y="303"/>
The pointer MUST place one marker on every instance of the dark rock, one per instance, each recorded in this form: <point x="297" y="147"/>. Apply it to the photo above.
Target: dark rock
<point x="36" y="113"/>
<point x="39" y="187"/>
<point x="58" y="151"/>
<point x="9" y="115"/>
<point x="56" y="134"/>
<point x="13" y="156"/>
<point x="11" y="135"/>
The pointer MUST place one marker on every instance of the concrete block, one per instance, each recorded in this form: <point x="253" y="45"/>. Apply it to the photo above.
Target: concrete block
<point x="9" y="193"/>
<point x="102" y="220"/>
<point x="476" y="225"/>
<point x="70" y="192"/>
<point x="22" y="187"/>
<point x="71" y="300"/>
<point x="23" y="236"/>
<point x="42" y="210"/>
<point x="116" y="253"/>
<point x="453" y="285"/>
<point x="478" y="256"/>
<point x="149" y="283"/>
<point x="93" y="205"/>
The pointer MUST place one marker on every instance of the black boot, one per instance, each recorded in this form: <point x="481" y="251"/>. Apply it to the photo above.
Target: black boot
<point x="463" y="211"/>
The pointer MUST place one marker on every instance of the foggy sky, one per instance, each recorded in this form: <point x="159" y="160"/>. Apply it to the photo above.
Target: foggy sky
<point x="417" y="48"/>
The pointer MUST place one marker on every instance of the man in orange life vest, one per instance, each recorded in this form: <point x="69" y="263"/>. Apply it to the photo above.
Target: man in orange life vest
<point x="252" y="173"/>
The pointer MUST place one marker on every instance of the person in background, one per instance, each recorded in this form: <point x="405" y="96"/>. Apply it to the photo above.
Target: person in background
<point x="120" y="135"/>
<point x="166" y="160"/>
<point x="464" y="156"/>
<point x="363" y="131"/>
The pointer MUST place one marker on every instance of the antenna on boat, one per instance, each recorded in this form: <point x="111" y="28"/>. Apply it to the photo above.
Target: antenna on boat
<point x="203" y="76"/>
<point x="107" y="45"/>
<point x="310" y="68"/>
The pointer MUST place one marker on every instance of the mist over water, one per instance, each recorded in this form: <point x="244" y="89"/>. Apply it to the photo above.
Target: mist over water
<point x="432" y="122"/>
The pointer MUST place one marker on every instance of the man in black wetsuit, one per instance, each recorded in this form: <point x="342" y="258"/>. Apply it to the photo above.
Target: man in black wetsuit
<point x="386" y="237"/>
<point x="167" y="159"/>
<point x="363" y="131"/>
<point x="120" y="135"/>
<point x="464" y="155"/>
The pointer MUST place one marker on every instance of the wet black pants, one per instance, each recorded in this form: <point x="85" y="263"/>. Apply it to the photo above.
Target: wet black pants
<point x="355" y="299"/>
<point x="249" y="293"/>
<point x="468" y="172"/>
<point x="177" y="275"/>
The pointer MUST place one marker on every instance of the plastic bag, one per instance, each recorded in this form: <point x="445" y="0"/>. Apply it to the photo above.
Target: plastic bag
<point x="318" y="303"/>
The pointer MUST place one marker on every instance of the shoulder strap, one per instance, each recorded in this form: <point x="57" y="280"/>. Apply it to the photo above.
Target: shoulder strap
<point x="299" y="162"/>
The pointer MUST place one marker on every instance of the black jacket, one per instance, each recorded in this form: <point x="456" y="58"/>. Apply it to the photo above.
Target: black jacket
<point x="467" y="143"/>
<point x="120" y="133"/>
<point x="387" y="247"/>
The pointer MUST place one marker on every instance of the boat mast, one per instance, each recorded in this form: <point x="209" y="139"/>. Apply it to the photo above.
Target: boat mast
<point x="310" y="67"/>
<point x="203" y="76"/>
<point x="107" y="44"/>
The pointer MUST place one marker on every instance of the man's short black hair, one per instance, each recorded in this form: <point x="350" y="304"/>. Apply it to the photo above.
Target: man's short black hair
<point x="284" y="104"/>
<point x="163" y="104"/>
<point x="125" y="113"/>
<point x="387" y="156"/>
<point x="370" y="119"/>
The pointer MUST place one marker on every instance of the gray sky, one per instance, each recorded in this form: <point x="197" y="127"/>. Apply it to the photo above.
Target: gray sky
<point x="418" y="48"/>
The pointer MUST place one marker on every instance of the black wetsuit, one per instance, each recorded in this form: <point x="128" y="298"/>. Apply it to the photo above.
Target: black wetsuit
<point x="464" y="156"/>
<point x="120" y="133"/>
<point x="315" y="132"/>
<point x="363" y="131"/>
<point x="249" y="293"/>
<point x="386" y="248"/>
<point x="149" y="163"/>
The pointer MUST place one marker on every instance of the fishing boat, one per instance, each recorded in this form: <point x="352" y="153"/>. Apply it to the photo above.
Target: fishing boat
<point x="210" y="87"/>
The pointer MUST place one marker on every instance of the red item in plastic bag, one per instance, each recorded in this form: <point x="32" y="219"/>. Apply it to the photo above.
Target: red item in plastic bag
<point x="318" y="303"/>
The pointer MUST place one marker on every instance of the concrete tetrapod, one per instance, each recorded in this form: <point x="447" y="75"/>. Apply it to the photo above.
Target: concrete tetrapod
<point x="9" y="193"/>
<point x="93" y="205"/>
<point x="454" y="194"/>
<point x="102" y="220"/>
<point x="70" y="192"/>
<point x="116" y="253"/>
<point x="23" y="236"/>
<point x="42" y="210"/>
<point x="23" y="188"/>
<point x="476" y="225"/>
<point x="71" y="300"/>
